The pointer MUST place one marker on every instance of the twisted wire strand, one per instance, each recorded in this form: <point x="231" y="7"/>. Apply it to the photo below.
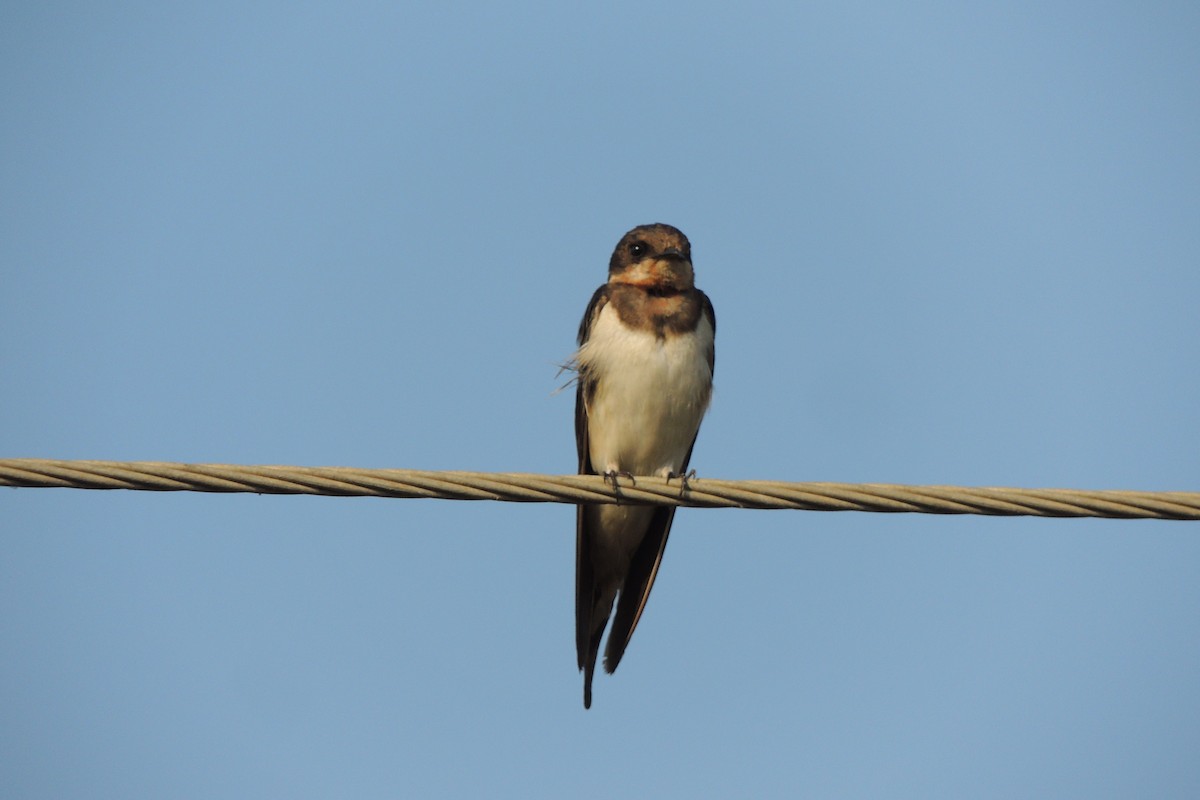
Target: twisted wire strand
<point x="529" y="488"/>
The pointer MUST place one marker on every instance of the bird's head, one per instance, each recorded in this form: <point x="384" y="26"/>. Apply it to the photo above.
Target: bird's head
<point x="657" y="258"/>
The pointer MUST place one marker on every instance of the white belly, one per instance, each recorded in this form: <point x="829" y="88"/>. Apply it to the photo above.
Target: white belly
<point x="650" y="395"/>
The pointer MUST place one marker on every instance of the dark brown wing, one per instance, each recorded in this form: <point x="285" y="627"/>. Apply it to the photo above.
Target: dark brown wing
<point x="587" y="641"/>
<point x="643" y="568"/>
<point x="585" y="382"/>
<point x="712" y="351"/>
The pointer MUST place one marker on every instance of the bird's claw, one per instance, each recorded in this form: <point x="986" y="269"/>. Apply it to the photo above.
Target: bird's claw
<point x="611" y="476"/>
<point x="684" y="480"/>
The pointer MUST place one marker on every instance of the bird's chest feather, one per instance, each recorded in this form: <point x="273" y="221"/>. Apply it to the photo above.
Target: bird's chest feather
<point x="650" y="393"/>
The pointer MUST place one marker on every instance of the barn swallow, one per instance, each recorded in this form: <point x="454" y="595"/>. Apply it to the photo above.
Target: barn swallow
<point x="645" y="364"/>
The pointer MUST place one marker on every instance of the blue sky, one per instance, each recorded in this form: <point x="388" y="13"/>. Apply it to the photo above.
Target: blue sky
<point x="946" y="243"/>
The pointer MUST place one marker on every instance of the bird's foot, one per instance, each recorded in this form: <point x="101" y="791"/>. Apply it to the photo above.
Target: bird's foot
<point x="611" y="476"/>
<point x="684" y="480"/>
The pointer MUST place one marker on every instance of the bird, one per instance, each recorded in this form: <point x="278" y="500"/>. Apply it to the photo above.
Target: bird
<point x="644" y="381"/>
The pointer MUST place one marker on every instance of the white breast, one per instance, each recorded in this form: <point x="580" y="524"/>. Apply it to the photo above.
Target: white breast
<point x="650" y="395"/>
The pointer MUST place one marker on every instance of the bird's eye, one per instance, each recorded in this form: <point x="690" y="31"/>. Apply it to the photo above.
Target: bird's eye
<point x="638" y="249"/>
